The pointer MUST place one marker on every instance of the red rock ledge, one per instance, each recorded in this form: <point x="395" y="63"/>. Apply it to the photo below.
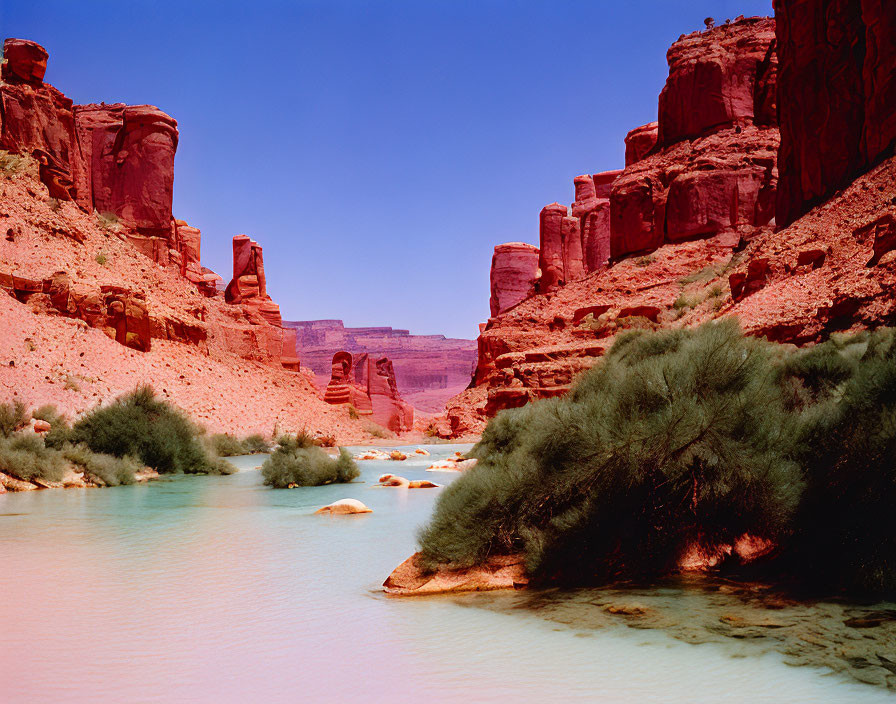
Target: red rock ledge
<point x="499" y="572"/>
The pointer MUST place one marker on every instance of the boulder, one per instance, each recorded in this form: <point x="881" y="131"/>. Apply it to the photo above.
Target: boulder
<point x="639" y="142"/>
<point x="498" y="572"/>
<point x="393" y="480"/>
<point x="25" y="61"/>
<point x="344" y="507"/>
<point x="513" y="275"/>
<point x="397" y="456"/>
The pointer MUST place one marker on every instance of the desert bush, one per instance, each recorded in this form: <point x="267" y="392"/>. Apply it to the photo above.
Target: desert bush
<point x="845" y="529"/>
<point x="297" y="461"/>
<point x="24" y="455"/>
<point x="12" y="164"/>
<point x="353" y="413"/>
<point x="225" y="445"/>
<point x="59" y="434"/>
<point x="12" y="416"/>
<point x="142" y="426"/>
<point x="112" y="471"/>
<point x="676" y="438"/>
<point x="377" y="431"/>
<point x="255" y="445"/>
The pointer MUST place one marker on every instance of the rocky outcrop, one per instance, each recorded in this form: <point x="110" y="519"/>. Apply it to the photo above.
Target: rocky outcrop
<point x="120" y="312"/>
<point x="128" y="153"/>
<point x="266" y="337"/>
<point x="640" y="142"/>
<point x="713" y="169"/>
<point x="698" y="183"/>
<point x="513" y="274"/>
<point x="575" y="241"/>
<point x="429" y="369"/>
<point x="718" y="79"/>
<point x="37" y="119"/>
<point x="115" y="159"/>
<point x="498" y="572"/>
<point x="836" y="96"/>
<point x="369" y="386"/>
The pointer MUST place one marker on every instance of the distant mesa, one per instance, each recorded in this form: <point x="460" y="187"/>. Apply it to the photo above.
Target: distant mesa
<point x="429" y="369"/>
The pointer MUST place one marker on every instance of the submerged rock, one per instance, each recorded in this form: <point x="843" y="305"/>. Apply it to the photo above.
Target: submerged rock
<point x="344" y="507"/>
<point x="401" y="482"/>
<point x="499" y="572"/>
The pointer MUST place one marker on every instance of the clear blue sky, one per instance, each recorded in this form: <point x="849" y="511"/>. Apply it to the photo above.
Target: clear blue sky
<point x="377" y="150"/>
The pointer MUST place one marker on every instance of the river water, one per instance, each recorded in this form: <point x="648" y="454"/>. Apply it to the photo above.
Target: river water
<point x="219" y="589"/>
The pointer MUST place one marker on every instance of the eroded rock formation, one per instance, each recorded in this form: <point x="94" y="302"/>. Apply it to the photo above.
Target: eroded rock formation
<point x="369" y="386"/>
<point x="513" y="274"/>
<point x="429" y="369"/>
<point x="713" y="169"/>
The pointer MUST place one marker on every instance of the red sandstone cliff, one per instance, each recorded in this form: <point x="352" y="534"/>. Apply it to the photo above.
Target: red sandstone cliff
<point x="692" y="217"/>
<point x="102" y="289"/>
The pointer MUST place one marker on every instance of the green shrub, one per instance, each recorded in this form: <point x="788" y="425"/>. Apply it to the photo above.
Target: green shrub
<point x="12" y="164"/>
<point x="25" y="456"/>
<point x="112" y="471"/>
<point x="225" y="445"/>
<point x="256" y="445"/>
<point x="159" y="435"/>
<point x="297" y="461"/>
<point x="676" y="438"/>
<point x="845" y="530"/>
<point x="101" y="259"/>
<point x="12" y="416"/>
<point x="353" y="413"/>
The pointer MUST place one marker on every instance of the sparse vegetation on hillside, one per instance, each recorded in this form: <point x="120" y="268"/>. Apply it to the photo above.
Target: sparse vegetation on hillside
<point x="691" y="438"/>
<point x="298" y="461"/>
<point x="225" y="445"/>
<point x="140" y="425"/>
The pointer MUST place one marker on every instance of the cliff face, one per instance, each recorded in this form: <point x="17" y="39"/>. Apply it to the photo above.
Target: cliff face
<point x="429" y="369"/>
<point x="692" y="217"/>
<point x="118" y="161"/>
<point x="836" y="96"/>
<point x="101" y="288"/>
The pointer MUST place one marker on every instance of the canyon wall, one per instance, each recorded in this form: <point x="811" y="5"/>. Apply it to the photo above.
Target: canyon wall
<point x="118" y="161"/>
<point x="696" y="219"/>
<point x="429" y="369"/>
<point x="836" y="96"/>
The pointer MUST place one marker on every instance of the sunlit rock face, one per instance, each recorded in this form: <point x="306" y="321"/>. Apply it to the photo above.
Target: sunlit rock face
<point x="513" y="274"/>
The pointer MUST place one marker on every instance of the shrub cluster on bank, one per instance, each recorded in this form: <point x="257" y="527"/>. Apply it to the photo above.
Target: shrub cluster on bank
<point x="691" y="438"/>
<point x="226" y="445"/>
<point x="110" y="444"/>
<point x="299" y="461"/>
